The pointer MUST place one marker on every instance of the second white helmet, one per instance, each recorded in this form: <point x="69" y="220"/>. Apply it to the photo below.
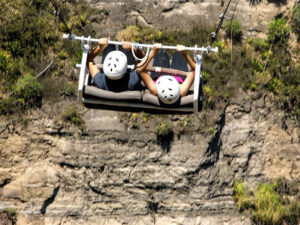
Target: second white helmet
<point x="115" y="65"/>
<point x="167" y="88"/>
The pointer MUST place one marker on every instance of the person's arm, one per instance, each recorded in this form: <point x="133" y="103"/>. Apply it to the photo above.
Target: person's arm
<point x="187" y="83"/>
<point x="138" y="53"/>
<point x="144" y="63"/>
<point x="150" y="84"/>
<point x="93" y="69"/>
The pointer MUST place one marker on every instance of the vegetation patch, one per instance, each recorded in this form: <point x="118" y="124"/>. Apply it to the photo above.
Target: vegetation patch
<point x="164" y="128"/>
<point x="233" y="30"/>
<point x="8" y="216"/>
<point x="72" y="115"/>
<point x="296" y="20"/>
<point x="269" y="204"/>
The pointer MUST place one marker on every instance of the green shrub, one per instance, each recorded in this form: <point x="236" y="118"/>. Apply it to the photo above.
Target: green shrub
<point x="278" y="31"/>
<point x="8" y="105"/>
<point x="5" y="62"/>
<point x="164" y="128"/>
<point x="269" y="206"/>
<point x="240" y="196"/>
<point x="296" y="20"/>
<point x="274" y="85"/>
<point x="256" y="65"/>
<point x="68" y="90"/>
<point x="71" y="115"/>
<point x="28" y="90"/>
<point x="63" y="55"/>
<point x="233" y="29"/>
<point x="205" y="76"/>
<point x="252" y="87"/>
<point x="259" y="44"/>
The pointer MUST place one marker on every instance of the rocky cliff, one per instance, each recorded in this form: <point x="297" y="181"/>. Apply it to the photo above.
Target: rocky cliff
<point x="111" y="174"/>
<point x="253" y="15"/>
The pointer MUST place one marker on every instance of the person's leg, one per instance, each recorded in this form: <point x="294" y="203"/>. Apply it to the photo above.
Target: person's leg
<point x="109" y="48"/>
<point x="161" y="59"/>
<point x="178" y="62"/>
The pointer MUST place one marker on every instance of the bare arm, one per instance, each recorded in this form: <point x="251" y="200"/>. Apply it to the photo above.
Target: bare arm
<point x="150" y="84"/>
<point x="143" y="64"/>
<point x="93" y="69"/>
<point x="187" y="83"/>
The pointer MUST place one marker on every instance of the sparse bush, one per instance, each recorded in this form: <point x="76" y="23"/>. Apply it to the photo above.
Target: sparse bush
<point x="71" y="115"/>
<point x="63" y="55"/>
<point x="256" y="65"/>
<point x="205" y="76"/>
<point x="296" y="20"/>
<point x="68" y="90"/>
<point x="259" y="44"/>
<point x="274" y="85"/>
<point x="28" y="90"/>
<point x="240" y="196"/>
<point x="233" y="29"/>
<point x="164" y="128"/>
<point x="267" y="206"/>
<point x="5" y="63"/>
<point x="278" y="31"/>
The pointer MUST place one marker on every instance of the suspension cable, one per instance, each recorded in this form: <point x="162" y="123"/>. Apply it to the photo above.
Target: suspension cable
<point x="222" y="17"/>
<point x="57" y="13"/>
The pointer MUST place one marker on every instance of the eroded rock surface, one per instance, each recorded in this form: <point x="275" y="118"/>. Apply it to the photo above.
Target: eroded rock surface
<point x="254" y="16"/>
<point x="123" y="176"/>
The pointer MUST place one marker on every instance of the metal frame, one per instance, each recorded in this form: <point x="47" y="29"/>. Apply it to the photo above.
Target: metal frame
<point x="84" y="76"/>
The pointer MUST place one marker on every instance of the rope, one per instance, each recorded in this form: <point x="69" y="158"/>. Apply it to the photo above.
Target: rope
<point x="222" y="16"/>
<point x="231" y="30"/>
<point x="57" y="13"/>
<point x="44" y="70"/>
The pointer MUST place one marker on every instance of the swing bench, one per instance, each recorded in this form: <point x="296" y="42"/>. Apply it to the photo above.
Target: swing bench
<point x="93" y="97"/>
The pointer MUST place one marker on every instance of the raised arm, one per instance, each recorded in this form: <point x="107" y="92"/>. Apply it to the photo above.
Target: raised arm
<point x="187" y="83"/>
<point x="93" y="69"/>
<point x="142" y="66"/>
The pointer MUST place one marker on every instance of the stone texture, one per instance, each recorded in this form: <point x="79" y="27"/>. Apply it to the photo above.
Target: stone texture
<point x="254" y="18"/>
<point x="124" y="176"/>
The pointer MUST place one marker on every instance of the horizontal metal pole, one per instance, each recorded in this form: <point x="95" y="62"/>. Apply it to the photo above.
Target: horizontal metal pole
<point x="74" y="37"/>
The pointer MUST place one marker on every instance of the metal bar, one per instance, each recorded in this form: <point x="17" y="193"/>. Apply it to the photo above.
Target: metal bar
<point x="74" y="37"/>
<point x="82" y="69"/>
<point x="197" y="80"/>
<point x="159" y="70"/>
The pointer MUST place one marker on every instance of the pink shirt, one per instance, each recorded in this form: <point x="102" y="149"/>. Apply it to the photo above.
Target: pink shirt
<point x="179" y="79"/>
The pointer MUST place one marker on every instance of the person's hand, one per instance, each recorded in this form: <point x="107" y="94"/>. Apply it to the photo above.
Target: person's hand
<point x="126" y="45"/>
<point x="156" y="47"/>
<point x="102" y="43"/>
<point x="181" y="49"/>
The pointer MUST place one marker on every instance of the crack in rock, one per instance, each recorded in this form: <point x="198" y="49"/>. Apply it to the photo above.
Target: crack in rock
<point x="49" y="200"/>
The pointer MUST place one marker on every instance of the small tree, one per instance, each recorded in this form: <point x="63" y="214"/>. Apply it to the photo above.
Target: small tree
<point x="233" y="29"/>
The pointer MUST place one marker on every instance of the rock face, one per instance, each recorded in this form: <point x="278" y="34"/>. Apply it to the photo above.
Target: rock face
<point x="124" y="176"/>
<point x="254" y="16"/>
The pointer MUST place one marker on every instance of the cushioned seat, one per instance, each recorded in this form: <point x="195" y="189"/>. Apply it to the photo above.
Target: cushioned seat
<point x="93" y="91"/>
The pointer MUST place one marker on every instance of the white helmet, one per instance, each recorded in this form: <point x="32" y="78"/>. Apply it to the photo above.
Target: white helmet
<point x="167" y="88"/>
<point x="115" y="65"/>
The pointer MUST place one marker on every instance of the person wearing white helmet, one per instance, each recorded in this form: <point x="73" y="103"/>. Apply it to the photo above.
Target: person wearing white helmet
<point x="115" y="75"/>
<point x="168" y="88"/>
